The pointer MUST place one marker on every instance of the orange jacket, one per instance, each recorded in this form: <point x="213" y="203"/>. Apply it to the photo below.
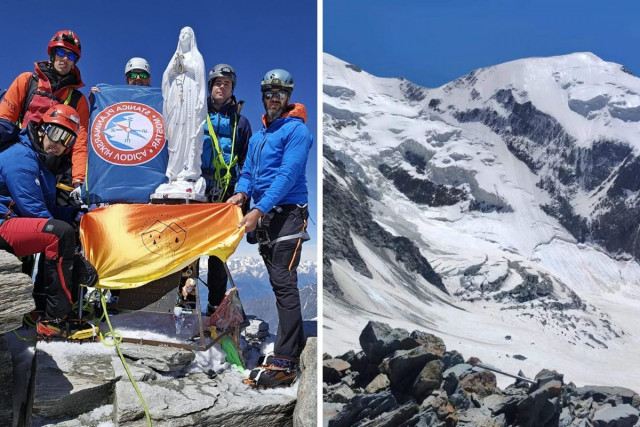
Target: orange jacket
<point x="13" y="102"/>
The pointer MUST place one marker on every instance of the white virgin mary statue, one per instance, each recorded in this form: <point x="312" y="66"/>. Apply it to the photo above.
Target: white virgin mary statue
<point x="184" y="113"/>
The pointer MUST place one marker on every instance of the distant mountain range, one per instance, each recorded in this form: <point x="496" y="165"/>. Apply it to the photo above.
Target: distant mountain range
<point x="265" y="308"/>
<point x="251" y="278"/>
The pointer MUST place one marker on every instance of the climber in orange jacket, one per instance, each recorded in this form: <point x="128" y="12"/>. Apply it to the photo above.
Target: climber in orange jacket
<point x="56" y="81"/>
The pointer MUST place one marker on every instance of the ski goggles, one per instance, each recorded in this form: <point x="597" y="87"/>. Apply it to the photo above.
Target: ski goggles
<point x="62" y="53"/>
<point x="60" y="135"/>
<point x="281" y="94"/>
<point x="135" y="74"/>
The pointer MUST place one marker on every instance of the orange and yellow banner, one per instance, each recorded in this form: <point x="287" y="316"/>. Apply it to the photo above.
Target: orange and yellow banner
<point x="131" y="245"/>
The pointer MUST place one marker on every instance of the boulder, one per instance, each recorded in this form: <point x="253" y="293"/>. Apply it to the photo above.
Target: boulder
<point x="6" y="378"/>
<point x="459" y="370"/>
<point x="379" y="383"/>
<point x="450" y="384"/>
<point x="362" y="365"/>
<point x="428" y="380"/>
<point x="482" y="383"/>
<point x="460" y="400"/>
<point x="393" y="418"/>
<point x="161" y="359"/>
<point x="601" y="393"/>
<point x="623" y="415"/>
<point x="71" y="379"/>
<point x="341" y="394"/>
<point x="306" y="410"/>
<point x="333" y="370"/>
<point x="15" y="294"/>
<point x="432" y="343"/>
<point x="378" y="340"/>
<point x="451" y="358"/>
<point x="364" y="406"/>
<point x="537" y="409"/>
<point x="405" y="365"/>
<point x="196" y="399"/>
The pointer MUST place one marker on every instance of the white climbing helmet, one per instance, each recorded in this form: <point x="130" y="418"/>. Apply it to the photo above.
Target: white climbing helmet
<point x="137" y="64"/>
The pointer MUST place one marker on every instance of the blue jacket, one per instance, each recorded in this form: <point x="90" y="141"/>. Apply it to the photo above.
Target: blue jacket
<point x="27" y="187"/>
<point x="274" y="171"/>
<point x="223" y="123"/>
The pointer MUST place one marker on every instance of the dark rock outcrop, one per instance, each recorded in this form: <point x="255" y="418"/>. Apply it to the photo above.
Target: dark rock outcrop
<point x="428" y="386"/>
<point x="422" y="191"/>
<point x="347" y="212"/>
<point x="540" y="141"/>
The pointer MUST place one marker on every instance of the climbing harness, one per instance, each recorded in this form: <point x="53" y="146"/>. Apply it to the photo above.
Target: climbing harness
<point x="222" y="181"/>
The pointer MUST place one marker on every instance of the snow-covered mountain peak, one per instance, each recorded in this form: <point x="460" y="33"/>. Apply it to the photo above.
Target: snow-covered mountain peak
<point x="506" y="202"/>
<point x="589" y="97"/>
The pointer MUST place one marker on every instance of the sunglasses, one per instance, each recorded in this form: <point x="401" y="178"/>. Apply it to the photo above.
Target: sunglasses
<point x="142" y="74"/>
<point x="62" y="53"/>
<point x="60" y="135"/>
<point x="281" y="94"/>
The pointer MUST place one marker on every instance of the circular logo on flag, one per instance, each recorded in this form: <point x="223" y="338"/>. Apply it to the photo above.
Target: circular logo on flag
<point x="127" y="134"/>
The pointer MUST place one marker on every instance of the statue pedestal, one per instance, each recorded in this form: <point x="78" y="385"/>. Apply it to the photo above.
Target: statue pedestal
<point x="184" y="190"/>
<point x="156" y="197"/>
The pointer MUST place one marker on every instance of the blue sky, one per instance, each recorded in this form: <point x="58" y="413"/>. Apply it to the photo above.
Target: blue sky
<point x="253" y="36"/>
<point x="433" y="42"/>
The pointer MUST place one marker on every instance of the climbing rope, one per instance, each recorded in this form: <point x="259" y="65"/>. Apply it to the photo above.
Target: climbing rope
<point x="116" y="339"/>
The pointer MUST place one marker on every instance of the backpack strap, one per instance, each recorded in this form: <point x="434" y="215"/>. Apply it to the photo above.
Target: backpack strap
<point x="32" y="87"/>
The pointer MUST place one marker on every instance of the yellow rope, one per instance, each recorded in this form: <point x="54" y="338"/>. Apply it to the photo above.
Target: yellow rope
<point x="117" y="338"/>
<point x="23" y="338"/>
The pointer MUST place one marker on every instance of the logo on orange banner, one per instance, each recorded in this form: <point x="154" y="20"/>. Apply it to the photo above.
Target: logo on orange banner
<point x="164" y="236"/>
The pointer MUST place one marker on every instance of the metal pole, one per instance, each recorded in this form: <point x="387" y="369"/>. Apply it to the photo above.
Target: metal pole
<point x="480" y="365"/>
<point x="226" y="268"/>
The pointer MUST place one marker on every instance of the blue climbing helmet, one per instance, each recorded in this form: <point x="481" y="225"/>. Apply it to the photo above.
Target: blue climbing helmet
<point x="277" y="78"/>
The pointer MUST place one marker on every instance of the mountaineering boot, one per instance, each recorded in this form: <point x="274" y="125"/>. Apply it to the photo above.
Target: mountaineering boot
<point x="66" y="330"/>
<point x="210" y="310"/>
<point x="266" y="360"/>
<point x="278" y="373"/>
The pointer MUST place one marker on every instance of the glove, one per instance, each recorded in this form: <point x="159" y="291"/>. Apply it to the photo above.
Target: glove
<point x="76" y="194"/>
<point x="78" y="217"/>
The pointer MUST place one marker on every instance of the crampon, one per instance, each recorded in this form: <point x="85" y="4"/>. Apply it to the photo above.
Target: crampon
<point x="273" y="373"/>
<point x="72" y="330"/>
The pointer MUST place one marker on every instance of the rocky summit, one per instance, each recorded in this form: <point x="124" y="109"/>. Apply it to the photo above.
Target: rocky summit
<point x="69" y="384"/>
<point x="412" y="379"/>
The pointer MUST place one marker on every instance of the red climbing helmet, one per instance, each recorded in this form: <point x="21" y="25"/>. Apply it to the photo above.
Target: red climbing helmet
<point x="63" y="115"/>
<point x="66" y="39"/>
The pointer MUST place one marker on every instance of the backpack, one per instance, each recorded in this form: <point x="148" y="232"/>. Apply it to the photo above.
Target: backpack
<point x="8" y="134"/>
<point x="32" y="90"/>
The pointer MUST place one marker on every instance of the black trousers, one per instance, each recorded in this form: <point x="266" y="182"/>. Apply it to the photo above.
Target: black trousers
<point x="216" y="281"/>
<point x="281" y="259"/>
